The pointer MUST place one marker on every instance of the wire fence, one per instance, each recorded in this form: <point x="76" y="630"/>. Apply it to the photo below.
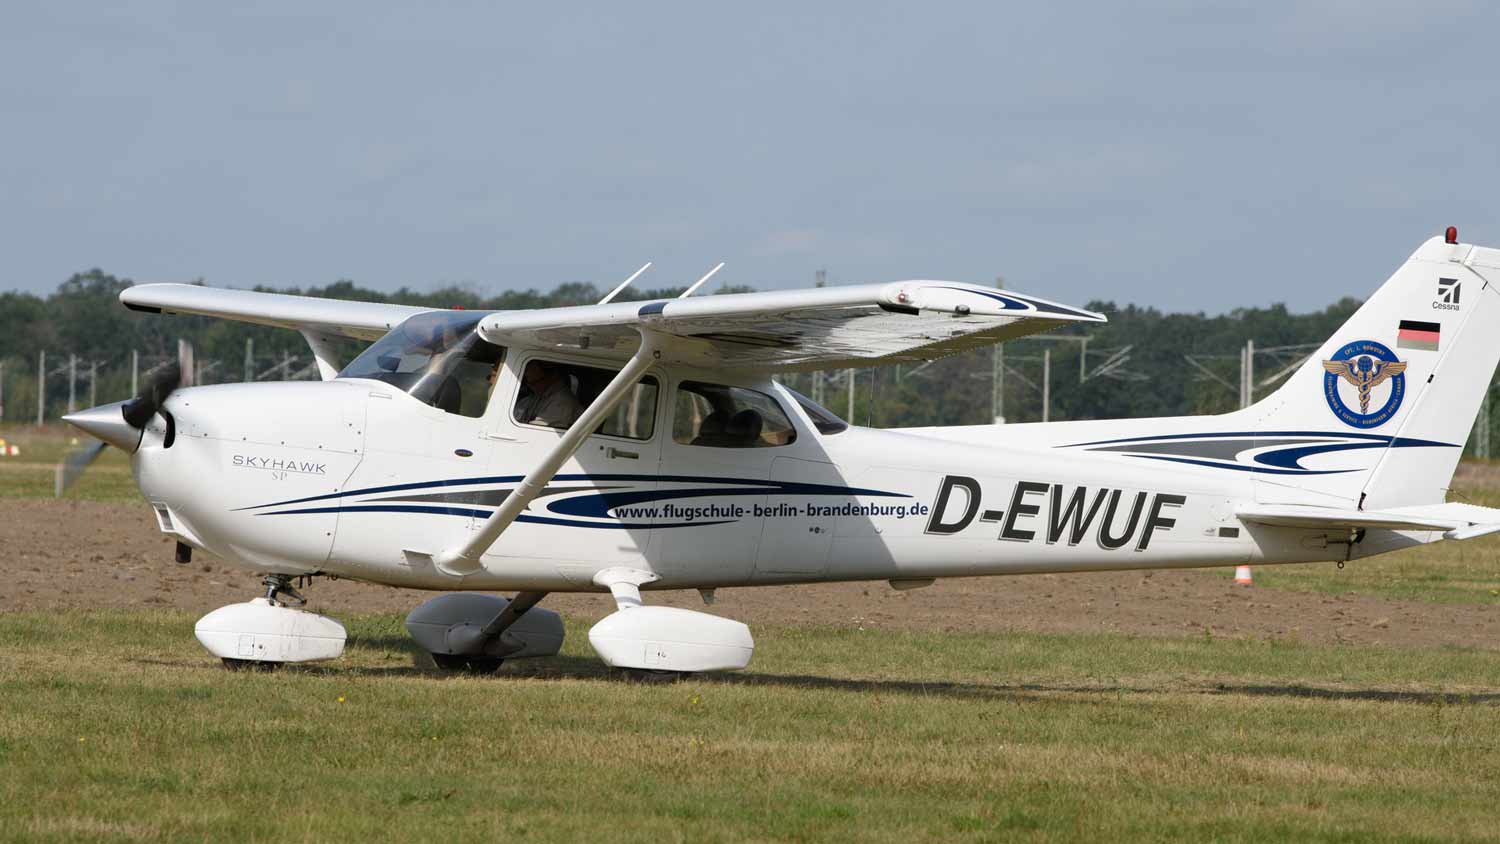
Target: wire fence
<point x="41" y="390"/>
<point x="1021" y="379"/>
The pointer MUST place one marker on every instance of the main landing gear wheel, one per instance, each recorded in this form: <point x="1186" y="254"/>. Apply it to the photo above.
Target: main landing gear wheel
<point x="660" y="644"/>
<point x="468" y="664"/>
<point x="650" y="675"/>
<point x="475" y="634"/>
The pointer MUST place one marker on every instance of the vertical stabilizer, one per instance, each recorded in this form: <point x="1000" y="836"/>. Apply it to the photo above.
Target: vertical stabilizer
<point x="1378" y="417"/>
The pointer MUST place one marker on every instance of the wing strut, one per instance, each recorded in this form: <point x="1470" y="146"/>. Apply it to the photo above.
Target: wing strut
<point x="468" y="639"/>
<point x="323" y="352"/>
<point x="464" y="559"/>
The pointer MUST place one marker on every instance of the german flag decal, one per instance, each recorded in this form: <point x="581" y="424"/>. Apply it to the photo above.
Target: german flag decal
<point x="1417" y="335"/>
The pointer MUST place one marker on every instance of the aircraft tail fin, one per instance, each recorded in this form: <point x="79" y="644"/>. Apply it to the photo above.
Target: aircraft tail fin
<point x="1378" y="416"/>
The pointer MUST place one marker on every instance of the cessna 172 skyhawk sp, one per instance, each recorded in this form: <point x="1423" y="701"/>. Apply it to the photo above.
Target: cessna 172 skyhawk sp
<point x="451" y="455"/>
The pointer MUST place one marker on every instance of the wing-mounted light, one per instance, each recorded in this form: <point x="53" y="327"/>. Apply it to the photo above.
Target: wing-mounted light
<point x="951" y="297"/>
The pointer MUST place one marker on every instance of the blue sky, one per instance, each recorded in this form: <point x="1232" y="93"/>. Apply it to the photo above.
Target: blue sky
<point x="1183" y="155"/>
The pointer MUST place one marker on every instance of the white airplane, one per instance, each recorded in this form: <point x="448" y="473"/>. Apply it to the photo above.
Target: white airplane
<point x="625" y="448"/>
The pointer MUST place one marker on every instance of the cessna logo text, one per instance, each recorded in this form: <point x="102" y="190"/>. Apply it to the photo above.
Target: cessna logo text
<point x="1447" y="298"/>
<point x="277" y="464"/>
<point x="1056" y="513"/>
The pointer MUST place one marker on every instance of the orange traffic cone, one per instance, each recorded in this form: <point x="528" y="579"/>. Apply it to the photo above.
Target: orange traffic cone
<point x="1242" y="575"/>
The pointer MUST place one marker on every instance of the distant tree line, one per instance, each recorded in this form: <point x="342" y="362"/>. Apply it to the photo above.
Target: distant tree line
<point x="84" y="317"/>
<point x="1137" y="362"/>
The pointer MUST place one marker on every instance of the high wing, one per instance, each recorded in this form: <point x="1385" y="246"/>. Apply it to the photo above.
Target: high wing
<point x="773" y="331"/>
<point x="777" y="331"/>
<point x="360" y="320"/>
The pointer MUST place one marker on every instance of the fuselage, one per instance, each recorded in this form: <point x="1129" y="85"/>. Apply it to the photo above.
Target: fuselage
<point x="698" y="473"/>
<point x="358" y="478"/>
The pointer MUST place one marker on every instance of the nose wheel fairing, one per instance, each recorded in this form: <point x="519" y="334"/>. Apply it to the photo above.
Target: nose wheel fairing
<point x="260" y="631"/>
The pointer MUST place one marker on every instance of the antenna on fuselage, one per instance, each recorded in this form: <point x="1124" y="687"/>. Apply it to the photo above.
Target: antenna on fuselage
<point x="624" y="284"/>
<point x="699" y="283"/>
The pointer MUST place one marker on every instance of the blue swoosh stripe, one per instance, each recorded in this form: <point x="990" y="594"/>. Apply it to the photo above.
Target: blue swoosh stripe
<point x="1241" y="467"/>
<point x="499" y="479"/>
<point x="786" y="487"/>
<point x="1017" y="303"/>
<point x="1395" y="442"/>
<point x="481" y="514"/>
<point x="598" y="506"/>
<point x="1287" y="458"/>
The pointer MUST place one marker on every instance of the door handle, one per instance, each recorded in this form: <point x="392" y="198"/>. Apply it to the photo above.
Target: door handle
<point x="617" y="452"/>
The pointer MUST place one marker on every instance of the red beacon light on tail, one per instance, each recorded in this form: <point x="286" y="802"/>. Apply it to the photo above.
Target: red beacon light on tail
<point x="1451" y="235"/>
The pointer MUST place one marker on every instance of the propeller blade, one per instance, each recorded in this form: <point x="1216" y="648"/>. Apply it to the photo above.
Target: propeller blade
<point x="73" y="465"/>
<point x="185" y="364"/>
<point x="139" y="410"/>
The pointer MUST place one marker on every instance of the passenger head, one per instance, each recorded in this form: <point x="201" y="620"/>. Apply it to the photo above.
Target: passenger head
<point x="539" y="376"/>
<point x="745" y="426"/>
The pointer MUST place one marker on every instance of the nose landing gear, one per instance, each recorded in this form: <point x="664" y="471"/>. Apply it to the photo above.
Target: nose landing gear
<point x="278" y="585"/>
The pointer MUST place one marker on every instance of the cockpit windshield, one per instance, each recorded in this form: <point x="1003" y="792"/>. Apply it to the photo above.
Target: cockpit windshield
<point x="437" y="358"/>
<point x="822" y="418"/>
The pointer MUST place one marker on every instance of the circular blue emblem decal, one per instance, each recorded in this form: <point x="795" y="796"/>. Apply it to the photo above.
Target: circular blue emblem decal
<point x="1372" y="378"/>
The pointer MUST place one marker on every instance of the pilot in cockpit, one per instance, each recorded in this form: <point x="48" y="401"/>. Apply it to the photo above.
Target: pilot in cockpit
<point x="548" y="399"/>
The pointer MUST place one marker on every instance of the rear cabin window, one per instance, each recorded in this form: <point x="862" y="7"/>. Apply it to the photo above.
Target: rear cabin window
<point x="554" y="394"/>
<point x="720" y="416"/>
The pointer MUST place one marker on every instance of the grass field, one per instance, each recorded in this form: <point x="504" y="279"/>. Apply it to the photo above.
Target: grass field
<point x="118" y="727"/>
<point x="1456" y="572"/>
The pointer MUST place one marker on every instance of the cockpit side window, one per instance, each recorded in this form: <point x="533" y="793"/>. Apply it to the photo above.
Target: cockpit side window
<point x="438" y="358"/>
<point x="720" y="416"/>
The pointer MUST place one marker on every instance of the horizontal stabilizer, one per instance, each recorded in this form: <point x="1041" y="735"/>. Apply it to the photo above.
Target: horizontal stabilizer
<point x="1457" y="521"/>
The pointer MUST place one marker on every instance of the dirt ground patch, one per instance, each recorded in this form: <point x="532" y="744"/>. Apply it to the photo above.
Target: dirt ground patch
<point x="82" y="554"/>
